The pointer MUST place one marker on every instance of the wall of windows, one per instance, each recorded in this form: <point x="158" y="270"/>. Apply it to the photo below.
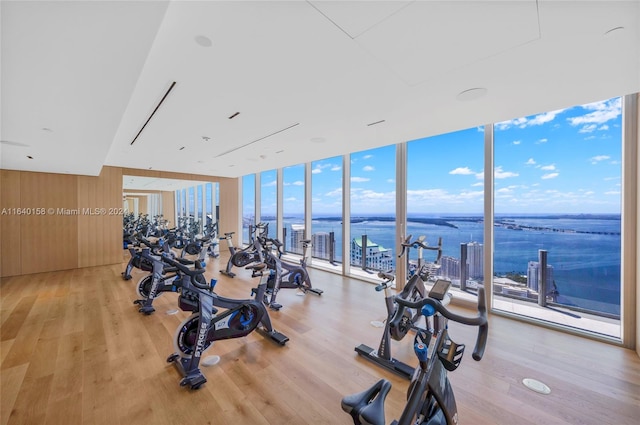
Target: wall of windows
<point x="373" y="209"/>
<point x="553" y="194"/>
<point x="269" y="200"/>
<point x="558" y="196"/>
<point x="326" y="209"/>
<point x="293" y="225"/>
<point x="445" y="205"/>
<point x="248" y="205"/>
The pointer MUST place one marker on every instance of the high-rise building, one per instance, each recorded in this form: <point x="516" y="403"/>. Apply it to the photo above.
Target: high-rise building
<point x="297" y="235"/>
<point x="321" y="245"/>
<point x="533" y="276"/>
<point x="475" y="260"/>
<point x="378" y="257"/>
<point x="450" y="267"/>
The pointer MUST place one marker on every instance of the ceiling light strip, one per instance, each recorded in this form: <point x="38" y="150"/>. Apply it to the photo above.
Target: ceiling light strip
<point x="154" y="111"/>
<point x="374" y="123"/>
<point x="257" y="140"/>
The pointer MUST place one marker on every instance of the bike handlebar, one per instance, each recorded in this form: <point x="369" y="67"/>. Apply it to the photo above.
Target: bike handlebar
<point x="480" y="320"/>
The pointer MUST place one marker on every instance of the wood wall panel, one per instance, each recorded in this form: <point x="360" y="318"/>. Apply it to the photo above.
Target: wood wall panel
<point x="49" y="241"/>
<point x="142" y="205"/>
<point x="100" y="233"/>
<point x="10" y="241"/>
<point x="169" y="208"/>
<point x="229" y="206"/>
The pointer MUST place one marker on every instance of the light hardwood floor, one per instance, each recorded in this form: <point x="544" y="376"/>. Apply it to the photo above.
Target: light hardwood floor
<point x="74" y="350"/>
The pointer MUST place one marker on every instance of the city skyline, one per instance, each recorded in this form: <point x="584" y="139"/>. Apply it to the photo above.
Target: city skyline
<point x="568" y="160"/>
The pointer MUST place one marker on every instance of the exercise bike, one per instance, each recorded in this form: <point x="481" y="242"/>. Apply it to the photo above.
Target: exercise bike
<point x="396" y="326"/>
<point x="164" y="278"/>
<point x="252" y="253"/>
<point x="205" y="325"/>
<point x="285" y="275"/>
<point x="430" y="398"/>
<point x="137" y="261"/>
<point x="420" y="244"/>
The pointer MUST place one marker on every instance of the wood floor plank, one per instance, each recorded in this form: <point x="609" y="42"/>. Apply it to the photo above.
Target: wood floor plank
<point x="10" y="384"/>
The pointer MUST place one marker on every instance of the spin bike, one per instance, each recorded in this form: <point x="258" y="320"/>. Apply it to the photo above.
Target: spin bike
<point x="164" y="278"/>
<point x="285" y="275"/>
<point x="420" y="244"/>
<point x="397" y="325"/>
<point x="252" y="253"/>
<point x="430" y="398"/>
<point x="137" y="261"/>
<point x="205" y="325"/>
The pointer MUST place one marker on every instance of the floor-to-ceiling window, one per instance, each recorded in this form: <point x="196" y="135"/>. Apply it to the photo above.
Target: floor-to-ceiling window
<point x="248" y="206"/>
<point x="326" y="209"/>
<point x="445" y="204"/>
<point x="373" y="208"/>
<point x="269" y="200"/>
<point x="557" y="228"/>
<point x="293" y="186"/>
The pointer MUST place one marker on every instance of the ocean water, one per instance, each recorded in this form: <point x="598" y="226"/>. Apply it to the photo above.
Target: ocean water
<point x="585" y="251"/>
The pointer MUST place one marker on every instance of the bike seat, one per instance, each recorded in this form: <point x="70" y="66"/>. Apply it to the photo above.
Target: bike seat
<point x="256" y="267"/>
<point x="386" y="276"/>
<point x="367" y="407"/>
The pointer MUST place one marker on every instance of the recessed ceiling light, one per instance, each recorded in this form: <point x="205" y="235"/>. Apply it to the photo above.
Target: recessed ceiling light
<point x="47" y="129"/>
<point x="206" y="138"/>
<point x="232" y="165"/>
<point x="280" y="151"/>
<point x="203" y="41"/>
<point x="200" y="162"/>
<point x="318" y="139"/>
<point x="616" y="30"/>
<point x="472" y="94"/>
<point x="374" y="123"/>
<point x="29" y="156"/>
<point x="181" y="148"/>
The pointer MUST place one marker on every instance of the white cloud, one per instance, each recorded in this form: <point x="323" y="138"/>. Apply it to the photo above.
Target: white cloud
<point x="589" y="128"/>
<point x="548" y="167"/>
<point x="601" y="112"/>
<point x="334" y="193"/>
<point x="336" y="168"/>
<point x="550" y="176"/>
<point x="517" y="142"/>
<point x="292" y="199"/>
<point x="542" y="141"/>
<point x="316" y="171"/>
<point x="298" y="183"/>
<point x="477" y="184"/>
<point x="530" y="161"/>
<point x="391" y="181"/>
<point x="465" y="171"/>
<point x="504" y="190"/>
<point x="359" y="179"/>
<point x="603" y="127"/>
<point x="596" y="159"/>
<point x="269" y="184"/>
<point x="526" y="122"/>
<point x="612" y="192"/>
<point x="368" y="168"/>
<point x="367" y="156"/>
<point x="500" y="174"/>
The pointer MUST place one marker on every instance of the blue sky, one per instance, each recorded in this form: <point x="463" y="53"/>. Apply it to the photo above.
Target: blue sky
<point x="562" y="161"/>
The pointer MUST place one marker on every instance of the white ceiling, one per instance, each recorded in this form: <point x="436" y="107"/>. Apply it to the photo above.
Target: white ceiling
<point x="80" y="78"/>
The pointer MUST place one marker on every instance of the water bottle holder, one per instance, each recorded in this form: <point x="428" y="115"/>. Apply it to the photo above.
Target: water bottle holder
<point x="450" y="354"/>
